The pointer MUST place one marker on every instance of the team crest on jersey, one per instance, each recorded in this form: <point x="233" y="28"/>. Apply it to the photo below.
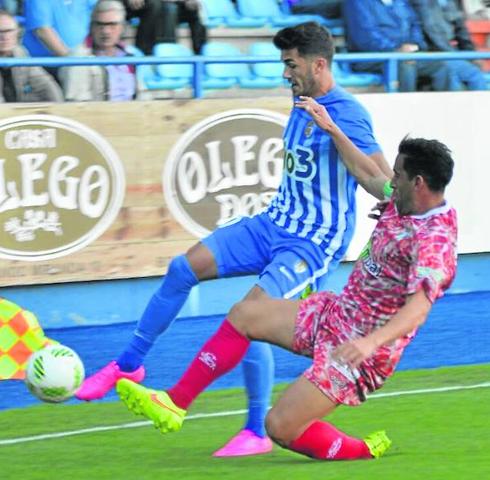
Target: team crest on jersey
<point x="309" y="128"/>
<point x="300" y="266"/>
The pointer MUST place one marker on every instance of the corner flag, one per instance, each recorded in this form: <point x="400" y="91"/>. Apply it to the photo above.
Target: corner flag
<point x="20" y="336"/>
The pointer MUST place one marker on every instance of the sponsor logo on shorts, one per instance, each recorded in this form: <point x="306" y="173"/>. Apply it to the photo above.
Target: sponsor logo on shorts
<point x="226" y="166"/>
<point x="61" y="186"/>
<point x="300" y="266"/>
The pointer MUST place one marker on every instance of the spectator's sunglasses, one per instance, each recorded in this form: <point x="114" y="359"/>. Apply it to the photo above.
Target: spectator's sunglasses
<point x="106" y="24"/>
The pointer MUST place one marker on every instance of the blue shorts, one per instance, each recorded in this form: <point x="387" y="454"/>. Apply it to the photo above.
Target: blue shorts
<point x="288" y="266"/>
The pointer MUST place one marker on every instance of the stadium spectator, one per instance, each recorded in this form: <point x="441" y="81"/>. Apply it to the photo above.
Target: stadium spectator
<point x="111" y="82"/>
<point x="325" y="8"/>
<point x="293" y="245"/>
<point x="392" y="26"/>
<point x="356" y="338"/>
<point x="151" y="24"/>
<point x="55" y="27"/>
<point x="443" y="25"/>
<point x="22" y="84"/>
<point x="184" y="11"/>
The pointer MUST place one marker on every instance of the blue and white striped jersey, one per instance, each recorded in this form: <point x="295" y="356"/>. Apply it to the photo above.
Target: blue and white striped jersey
<point x="316" y="198"/>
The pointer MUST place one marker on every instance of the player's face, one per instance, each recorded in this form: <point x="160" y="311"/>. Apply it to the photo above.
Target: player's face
<point x="403" y="188"/>
<point x="299" y="72"/>
<point x="107" y="29"/>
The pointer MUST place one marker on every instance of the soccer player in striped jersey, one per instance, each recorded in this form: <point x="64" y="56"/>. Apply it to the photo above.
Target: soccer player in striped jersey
<point x="355" y="338"/>
<point x="292" y="246"/>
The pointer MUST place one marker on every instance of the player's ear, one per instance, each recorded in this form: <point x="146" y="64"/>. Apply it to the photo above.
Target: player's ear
<point x="320" y="64"/>
<point x="419" y="181"/>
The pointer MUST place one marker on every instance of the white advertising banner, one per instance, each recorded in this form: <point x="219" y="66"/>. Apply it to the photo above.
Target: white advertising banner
<point x="461" y="121"/>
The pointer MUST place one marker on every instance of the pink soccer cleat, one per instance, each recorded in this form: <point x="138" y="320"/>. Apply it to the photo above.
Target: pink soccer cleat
<point x="98" y="384"/>
<point x="245" y="443"/>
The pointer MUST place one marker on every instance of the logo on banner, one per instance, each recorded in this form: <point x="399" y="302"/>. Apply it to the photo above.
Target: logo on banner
<point x="227" y="166"/>
<point x="61" y="186"/>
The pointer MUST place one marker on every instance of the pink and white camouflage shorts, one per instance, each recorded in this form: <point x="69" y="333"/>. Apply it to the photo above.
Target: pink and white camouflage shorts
<point x="317" y="334"/>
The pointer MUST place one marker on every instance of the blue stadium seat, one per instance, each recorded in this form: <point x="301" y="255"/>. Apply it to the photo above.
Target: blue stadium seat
<point x="142" y="71"/>
<point x="264" y="75"/>
<point x="271" y="11"/>
<point x="335" y="25"/>
<point x="223" y="75"/>
<point x="264" y="9"/>
<point x="345" y="77"/>
<point x="223" y="13"/>
<point x="170" y="76"/>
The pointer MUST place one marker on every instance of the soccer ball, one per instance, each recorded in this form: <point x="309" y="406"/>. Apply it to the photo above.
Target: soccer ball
<point x="54" y="373"/>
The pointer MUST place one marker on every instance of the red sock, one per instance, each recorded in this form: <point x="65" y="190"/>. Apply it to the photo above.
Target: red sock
<point x="219" y="355"/>
<point x="322" y="440"/>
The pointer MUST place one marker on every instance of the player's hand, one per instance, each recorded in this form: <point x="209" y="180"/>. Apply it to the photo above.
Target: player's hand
<point x="378" y="209"/>
<point x="408" y="48"/>
<point x="353" y="353"/>
<point x="318" y="112"/>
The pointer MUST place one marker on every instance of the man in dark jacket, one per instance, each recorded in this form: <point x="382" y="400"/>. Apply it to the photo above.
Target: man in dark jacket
<point x="443" y="25"/>
<point x="392" y="26"/>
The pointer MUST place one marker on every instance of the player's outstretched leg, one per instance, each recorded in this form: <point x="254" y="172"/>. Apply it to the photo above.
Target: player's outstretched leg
<point x="155" y="405"/>
<point x="294" y="423"/>
<point x="323" y="441"/>
<point x="157" y="317"/>
<point x="220" y="354"/>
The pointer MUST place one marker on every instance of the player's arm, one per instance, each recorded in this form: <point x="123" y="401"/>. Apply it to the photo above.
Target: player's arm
<point x="52" y="41"/>
<point x="409" y="317"/>
<point x="383" y="165"/>
<point x="368" y="171"/>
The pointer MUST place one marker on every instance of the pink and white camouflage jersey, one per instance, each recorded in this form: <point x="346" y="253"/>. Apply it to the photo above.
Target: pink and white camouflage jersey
<point x="405" y="253"/>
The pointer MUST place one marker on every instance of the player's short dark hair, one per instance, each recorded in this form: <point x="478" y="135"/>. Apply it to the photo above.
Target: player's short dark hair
<point x="429" y="158"/>
<point x="310" y="38"/>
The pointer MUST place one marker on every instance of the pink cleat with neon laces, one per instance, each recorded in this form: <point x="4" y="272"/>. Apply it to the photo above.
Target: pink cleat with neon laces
<point x="245" y="443"/>
<point x="97" y="385"/>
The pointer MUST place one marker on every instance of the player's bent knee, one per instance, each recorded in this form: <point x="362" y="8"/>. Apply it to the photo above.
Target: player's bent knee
<point x="239" y="316"/>
<point x="243" y="316"/>
<point x="277" y="429"/>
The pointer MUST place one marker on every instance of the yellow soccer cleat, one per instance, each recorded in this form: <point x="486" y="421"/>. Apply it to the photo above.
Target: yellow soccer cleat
<point x="155" y="405"/>
<point x="378" y="443"/>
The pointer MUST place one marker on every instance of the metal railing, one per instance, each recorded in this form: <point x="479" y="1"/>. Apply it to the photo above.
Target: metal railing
<point x="390" y="60"/>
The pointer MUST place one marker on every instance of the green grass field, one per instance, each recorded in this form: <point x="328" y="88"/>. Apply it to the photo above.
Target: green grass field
<point x="436" y="435"/>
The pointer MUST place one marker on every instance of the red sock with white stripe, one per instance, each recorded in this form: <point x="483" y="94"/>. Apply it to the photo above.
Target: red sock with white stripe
<point x="221" y="353"/>
<point x="323" y="441"/>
